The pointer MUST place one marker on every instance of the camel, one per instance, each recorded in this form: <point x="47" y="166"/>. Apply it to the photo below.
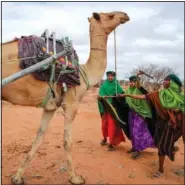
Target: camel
<point x="28" y="91"/>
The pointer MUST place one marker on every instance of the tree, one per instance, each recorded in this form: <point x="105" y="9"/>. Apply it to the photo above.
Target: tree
<point x="156" y="71"/>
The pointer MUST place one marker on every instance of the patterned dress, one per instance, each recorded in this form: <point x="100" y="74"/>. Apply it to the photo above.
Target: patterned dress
<point x="141" y="138"/>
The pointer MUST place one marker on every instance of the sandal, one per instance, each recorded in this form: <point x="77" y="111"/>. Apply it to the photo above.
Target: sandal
<point x="111" y="148"/>
<point x="130" y="151"/>
<point x="135" y="155"/>
<point x="103" y="142"/>
<point x="157" y="174"/>
<point x="175" y="148"/>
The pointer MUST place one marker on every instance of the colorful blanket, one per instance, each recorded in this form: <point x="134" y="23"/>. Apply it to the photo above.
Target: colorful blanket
<point x="33" y="46"/>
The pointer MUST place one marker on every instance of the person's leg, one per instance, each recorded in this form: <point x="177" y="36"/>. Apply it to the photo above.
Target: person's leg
<point x="160" y="171"/>
<point x="104" y="129"/>
<point x="142" y="138"/>
<point x="130" y="114"/>
<point x="131" y="150"/>
<point x="165" y="137"/>
<point x="103" y="141"/>
<point x="115" y="134"/>
<point x="161" y="163"/>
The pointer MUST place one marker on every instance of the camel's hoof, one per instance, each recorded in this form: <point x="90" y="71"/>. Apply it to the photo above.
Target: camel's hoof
<point x="77" y="180"/>
<point x="16" y="181"/>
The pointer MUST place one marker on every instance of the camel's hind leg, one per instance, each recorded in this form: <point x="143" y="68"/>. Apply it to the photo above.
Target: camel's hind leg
<point x="70" y="113"/>
<point x="45" y="120"/>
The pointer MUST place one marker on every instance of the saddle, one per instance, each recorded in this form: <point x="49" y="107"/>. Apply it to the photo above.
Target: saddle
<point x="33" y="49"/>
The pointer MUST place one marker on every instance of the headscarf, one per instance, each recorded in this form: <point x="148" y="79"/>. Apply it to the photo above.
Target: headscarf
<point x="172" y="97"/>
<point x="139" y="106"/>
<point x="111" y="73"/>
<point x="108" y="88"/>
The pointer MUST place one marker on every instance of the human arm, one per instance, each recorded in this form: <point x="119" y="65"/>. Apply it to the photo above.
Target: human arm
<point x="138" y="78"/>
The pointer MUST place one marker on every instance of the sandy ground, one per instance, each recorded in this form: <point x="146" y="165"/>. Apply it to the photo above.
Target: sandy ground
<point x="92" y="161"/>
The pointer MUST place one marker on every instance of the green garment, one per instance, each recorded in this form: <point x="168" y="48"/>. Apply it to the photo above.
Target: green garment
<point x="139" y="106"/>
<point x="108" y="88"/>
<point x="172" y="97"/>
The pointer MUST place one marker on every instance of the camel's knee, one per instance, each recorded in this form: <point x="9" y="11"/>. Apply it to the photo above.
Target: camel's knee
<point x="67" y="145"/>
<point x="39" y="136"/>
<point x="28" y="158"/>
<point x="67" y="142"/>
<point x="40" y="132"/>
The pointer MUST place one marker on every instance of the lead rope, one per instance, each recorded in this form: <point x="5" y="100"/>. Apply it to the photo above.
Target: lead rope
<point x="115" y="61"/>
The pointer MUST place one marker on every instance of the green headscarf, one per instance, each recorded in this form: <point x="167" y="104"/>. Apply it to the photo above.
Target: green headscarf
<point x="172" y="97"/>
<point x="139" y="106"/>
<point x="108" y="88"/>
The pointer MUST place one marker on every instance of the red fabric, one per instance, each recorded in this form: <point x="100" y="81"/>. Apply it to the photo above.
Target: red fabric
<point x="111" y="130"/>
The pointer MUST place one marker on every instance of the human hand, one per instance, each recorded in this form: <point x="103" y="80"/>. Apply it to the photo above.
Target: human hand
<point x="105" y="97"/>
<point x="98" y="96"/>
<point x="121" y="95"/>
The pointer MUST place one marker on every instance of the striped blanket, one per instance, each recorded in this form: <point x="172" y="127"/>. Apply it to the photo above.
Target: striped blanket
<point x="33" y="46"/>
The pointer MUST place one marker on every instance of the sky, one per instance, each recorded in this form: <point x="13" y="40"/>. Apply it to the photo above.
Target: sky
<point x="154" y="34"/>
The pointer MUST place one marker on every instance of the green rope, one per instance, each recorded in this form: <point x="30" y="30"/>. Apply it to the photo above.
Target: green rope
<point x="51" y="83"/>
<point x="76" y="63"/>
<point x="83" y="74"/>
<point x="62" y="72"/>
<point x="52" y="77"/>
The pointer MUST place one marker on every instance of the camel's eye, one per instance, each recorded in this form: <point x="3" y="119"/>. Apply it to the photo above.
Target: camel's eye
<point x="111" y="16"/>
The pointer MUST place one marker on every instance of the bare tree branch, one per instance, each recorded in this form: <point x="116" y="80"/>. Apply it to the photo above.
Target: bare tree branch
<point x="156" y="71"/>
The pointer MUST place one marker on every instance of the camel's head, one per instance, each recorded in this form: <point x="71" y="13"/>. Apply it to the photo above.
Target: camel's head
<point x="107" y="22"/>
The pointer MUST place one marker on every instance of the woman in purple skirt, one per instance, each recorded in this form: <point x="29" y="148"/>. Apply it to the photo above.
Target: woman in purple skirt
<point x="140" y="119"/>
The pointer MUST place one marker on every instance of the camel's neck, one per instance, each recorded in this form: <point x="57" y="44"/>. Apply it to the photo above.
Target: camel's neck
<point x="97" y="62"/>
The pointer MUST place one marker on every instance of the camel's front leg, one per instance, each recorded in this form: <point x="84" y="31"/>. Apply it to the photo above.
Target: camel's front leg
<point x="46" y="117"/>
<point x="70" y="113"/>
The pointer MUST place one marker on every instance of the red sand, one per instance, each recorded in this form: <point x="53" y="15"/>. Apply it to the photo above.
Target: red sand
<point x="92" y="161"/>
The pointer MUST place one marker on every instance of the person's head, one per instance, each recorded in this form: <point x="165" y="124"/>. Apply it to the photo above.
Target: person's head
<point x="174" y="78"/>
<point x="166" y="82"/>
<point x="133" y="80"/>
<point x="110" y="75"/>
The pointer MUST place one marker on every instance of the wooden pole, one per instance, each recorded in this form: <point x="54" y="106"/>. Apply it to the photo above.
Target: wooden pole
<point x="52" y="77"/>
<point x="110" y="96"/>
<point x="47" y="41"/>
<point x="33" y="68"/>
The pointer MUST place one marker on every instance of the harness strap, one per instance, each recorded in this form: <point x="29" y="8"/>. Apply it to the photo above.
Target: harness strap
<point x="83" y="74"/>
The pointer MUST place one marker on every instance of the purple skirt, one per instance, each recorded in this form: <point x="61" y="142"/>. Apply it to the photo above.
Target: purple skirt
<point x="141" y="138"/>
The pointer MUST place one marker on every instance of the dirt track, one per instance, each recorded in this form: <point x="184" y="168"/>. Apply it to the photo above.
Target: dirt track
<point x="95" y="163"/>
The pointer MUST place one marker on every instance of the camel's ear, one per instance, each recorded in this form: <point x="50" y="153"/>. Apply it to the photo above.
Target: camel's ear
<point x="111" y="16"/>
<point x="96" y="16"/>
<point x="89" y="19"/>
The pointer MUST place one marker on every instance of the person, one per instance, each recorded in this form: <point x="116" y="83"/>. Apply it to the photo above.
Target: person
<point x="109" y="127"/>
<point x="140" y="116"/>
<point x="169" y="106"/>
